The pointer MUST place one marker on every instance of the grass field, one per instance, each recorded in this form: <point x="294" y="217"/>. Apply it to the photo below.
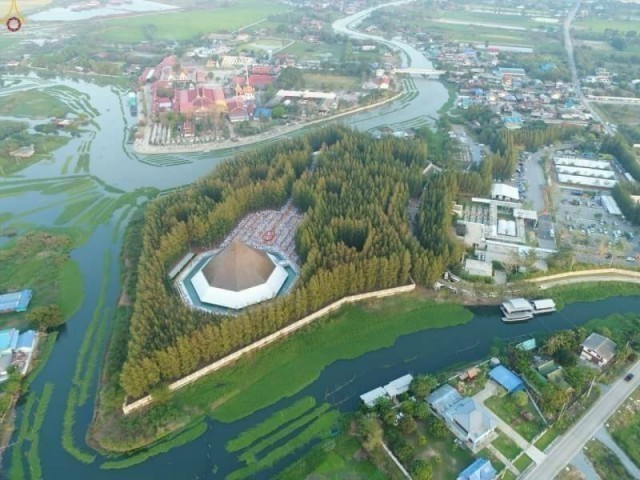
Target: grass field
<point x="547" y="439"/>
<point x="605" y="461"/>
<point x="314" y="51"/>
<point x="319" y="81"/>
<point x="601" y="24"/>
<point x="265" y="377"/>
<point x="523" y="462"/>
<point x="40" y="261"/>
<point x="619" y="114"/>
<point x="33" y="104"/>
<point x="508" y="411"/>
<point x="188" y="24"/>
<point x="334" y="460"/>
<point x="590" y="292"/>
<point x="624" y="426"/>
<point x="506" y="446"/>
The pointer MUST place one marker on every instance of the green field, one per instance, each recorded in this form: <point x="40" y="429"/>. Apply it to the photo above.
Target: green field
<point x="265" y="377"/>
<point x="319" y="81"/>
<point x="624" y="426"/>
<point x="185" y="25"/>
<point x="33" y="103"/>
<point x="314" y="51"/>
<point x="506" y="446"/>
<point x="334" y="460"/>
<point x="508" y="411"/>
<point x="601" y="24"/>
<point x="605" y="461"/>
<point x="40" y="261"/>
<point x="547" y="439"/>
<point x="523" y="462"/>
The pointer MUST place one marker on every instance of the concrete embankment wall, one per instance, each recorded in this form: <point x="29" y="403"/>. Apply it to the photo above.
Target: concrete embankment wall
<point x="596" y="275"/>
<point x="269" y="339"/>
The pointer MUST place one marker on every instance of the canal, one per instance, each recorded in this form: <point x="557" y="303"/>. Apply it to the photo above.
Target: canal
<point x="113" y="164"/>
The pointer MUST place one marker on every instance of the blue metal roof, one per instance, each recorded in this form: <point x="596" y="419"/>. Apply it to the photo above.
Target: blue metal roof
<point x="8" y="339"/>
<point x="506" y="378"/>
<point x="26" y="339"/>
<point x="15" y="302"/>
<point x="481" y="469"/>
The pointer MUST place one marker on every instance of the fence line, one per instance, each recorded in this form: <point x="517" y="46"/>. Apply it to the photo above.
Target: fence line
<point x="263" y="342"/>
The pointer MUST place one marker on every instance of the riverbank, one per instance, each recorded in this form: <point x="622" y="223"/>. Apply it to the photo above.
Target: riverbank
<point x="253" y="382"/>
<point x="141" y="146"/>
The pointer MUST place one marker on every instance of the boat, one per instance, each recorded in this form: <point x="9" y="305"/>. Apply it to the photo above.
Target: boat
<point x="521" y="309"/>
<point x="516" y="310"/>
<point x="544" y="305"/>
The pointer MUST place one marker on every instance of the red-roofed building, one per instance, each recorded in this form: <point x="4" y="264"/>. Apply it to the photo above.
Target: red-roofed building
<point x="256" y="81"/>
<point x="199" y="101"/>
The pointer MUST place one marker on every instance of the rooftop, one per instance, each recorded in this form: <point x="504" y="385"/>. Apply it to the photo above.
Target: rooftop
<point x="506" y="378"/>
<point x="600" y="344"/>
<point x="238" y="267"/>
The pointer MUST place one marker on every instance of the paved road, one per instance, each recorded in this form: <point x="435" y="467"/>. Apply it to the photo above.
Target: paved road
<point x="568" y="45"/>
<point x="572" y="441"/>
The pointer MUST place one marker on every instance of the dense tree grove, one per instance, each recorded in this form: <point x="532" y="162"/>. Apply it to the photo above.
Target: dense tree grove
<point x="623" y="193"/>
<point x="354" y="237"/>
<point x="620" y="148"/>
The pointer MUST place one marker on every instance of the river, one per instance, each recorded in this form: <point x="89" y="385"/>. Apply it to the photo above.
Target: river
<point x="113" y="163"/>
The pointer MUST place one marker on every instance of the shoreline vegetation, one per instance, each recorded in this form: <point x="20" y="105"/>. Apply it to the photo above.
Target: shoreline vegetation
<point x="247" y="386"/>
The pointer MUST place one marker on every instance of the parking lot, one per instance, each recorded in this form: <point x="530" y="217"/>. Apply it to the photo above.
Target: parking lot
<point x="597" y="236"/>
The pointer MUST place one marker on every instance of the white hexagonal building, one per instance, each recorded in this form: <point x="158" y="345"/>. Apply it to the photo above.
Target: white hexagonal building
<point x="239" y="276"/>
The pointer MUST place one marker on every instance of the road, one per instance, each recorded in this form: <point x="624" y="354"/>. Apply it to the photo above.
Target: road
<point x="568" y="45"/>
<point x="573" y="440"/>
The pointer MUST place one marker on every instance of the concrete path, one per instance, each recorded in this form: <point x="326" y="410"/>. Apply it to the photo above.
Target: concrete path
<point x="489" y="391"/>
<point x="604" y="436"/>
<point x="581" y="463"/>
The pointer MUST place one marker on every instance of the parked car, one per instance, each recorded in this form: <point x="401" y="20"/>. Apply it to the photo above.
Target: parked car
<point x="628" y="377"/>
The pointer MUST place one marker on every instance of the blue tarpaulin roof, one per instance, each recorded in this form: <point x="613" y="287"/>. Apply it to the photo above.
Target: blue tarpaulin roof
<point x="506" y="378"/>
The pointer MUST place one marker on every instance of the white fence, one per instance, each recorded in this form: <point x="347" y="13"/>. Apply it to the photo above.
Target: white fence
<point x="263" y="342"/>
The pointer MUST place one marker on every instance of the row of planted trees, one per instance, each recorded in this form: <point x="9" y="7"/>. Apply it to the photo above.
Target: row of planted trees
<point x="354" y="237"/>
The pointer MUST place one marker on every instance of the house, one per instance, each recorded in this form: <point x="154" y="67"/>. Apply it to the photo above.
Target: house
<point x="465" y="418"/>
<point x="472" y="422"/>
<point x="443" y="398"/>
<point x="481" y="469"/>
<point x="370" y="398"/>
<point x="8" y="341"/>
<point x="506" y="379"/>
<point x="598" y="349"/>
<point x="391" y="390"/>
<point x="398" y="386"/>
<point x="470" y="374"/>
<point x="501" y="191"/>
<point x="15" y="350"/>
<point x="23" y="152"/>
<point x="15" y="302"/>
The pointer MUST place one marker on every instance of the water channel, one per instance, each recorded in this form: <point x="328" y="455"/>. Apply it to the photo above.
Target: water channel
<point x="113" y="164"/>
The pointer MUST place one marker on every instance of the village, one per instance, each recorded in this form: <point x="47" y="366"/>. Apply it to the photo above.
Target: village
<point x="500" y="421"/>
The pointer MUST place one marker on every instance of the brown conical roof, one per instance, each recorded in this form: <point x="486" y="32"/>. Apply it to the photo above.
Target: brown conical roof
<point x="238" y="267"/>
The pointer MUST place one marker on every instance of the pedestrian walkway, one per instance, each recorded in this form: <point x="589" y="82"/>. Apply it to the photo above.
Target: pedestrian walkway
<point x="604" y="436"/>
<point x="490" y="390"/>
